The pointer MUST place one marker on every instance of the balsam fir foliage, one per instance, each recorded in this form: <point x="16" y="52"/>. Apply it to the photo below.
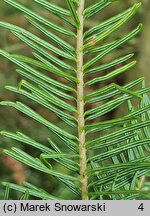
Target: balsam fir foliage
<point x="102" y="159"/>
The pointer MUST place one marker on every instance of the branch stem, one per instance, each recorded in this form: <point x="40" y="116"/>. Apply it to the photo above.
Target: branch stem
<point x="80" y="104"/>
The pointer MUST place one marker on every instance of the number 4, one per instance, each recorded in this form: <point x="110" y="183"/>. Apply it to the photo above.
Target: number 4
<point x="141" y="207"/>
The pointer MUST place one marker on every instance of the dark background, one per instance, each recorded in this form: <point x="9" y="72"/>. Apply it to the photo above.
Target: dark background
<point x="11" y="120"/>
